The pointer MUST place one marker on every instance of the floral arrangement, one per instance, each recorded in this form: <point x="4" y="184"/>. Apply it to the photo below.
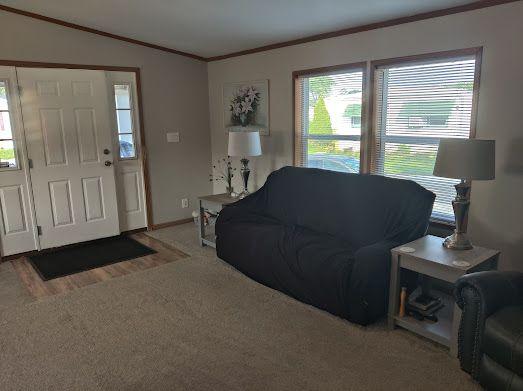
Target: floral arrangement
<point x="223" y="171"/>
<point x="243" y="105"/>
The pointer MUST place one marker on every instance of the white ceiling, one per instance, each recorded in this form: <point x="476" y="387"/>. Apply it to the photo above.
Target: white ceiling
<point x="216" y="27"/>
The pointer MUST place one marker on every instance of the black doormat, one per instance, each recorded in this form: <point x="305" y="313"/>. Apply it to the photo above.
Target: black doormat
<point x="87" y="256"/>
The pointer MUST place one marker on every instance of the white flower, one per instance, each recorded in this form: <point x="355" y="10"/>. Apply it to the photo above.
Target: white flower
<point x="246" y="106"/>
<point x="252" y="93"/>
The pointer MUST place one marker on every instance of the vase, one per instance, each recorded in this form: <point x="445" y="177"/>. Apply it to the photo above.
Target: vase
<point x="229" y="190"/>
<point x="244" y="119"/>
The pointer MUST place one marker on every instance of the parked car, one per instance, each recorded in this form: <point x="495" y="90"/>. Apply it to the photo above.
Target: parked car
<point x="334" y="163"/>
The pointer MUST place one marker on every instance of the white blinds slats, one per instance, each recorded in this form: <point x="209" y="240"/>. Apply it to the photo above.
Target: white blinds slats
<point x="416" y="106"/>
<point x="328" y="119"/>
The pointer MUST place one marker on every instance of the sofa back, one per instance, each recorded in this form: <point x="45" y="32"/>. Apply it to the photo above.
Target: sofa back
<point x="362" y="209"/>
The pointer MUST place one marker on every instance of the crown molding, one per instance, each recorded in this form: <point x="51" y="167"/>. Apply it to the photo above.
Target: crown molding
<point x="98" y="32"/>
<point x="367" y="27"/>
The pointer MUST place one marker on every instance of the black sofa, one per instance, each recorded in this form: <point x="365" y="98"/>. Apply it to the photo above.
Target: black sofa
<point x="324" y="237"/>
<point x="490" y="339"/>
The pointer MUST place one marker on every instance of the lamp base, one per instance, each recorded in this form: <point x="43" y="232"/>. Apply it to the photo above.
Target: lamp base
<point x="457" y="241"/>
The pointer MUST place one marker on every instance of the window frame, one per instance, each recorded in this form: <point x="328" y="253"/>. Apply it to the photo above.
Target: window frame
<point x="368" y="131"/>
<point x="298" y="146"/>
<point x="132" y="111"/>
<point x="426" y="58"/>
<point x="14" y="134"/>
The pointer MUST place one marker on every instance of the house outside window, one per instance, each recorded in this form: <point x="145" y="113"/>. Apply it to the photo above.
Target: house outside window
<point x="329" y="116"/>
<point x="416" y="105"/>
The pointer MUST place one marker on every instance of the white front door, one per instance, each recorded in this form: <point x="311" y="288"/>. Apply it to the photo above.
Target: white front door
<point x="68" y="133"/>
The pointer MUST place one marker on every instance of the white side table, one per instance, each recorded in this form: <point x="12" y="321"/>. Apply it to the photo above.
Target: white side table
<point x="427" y="256"/>
<point x="215" y="203"/>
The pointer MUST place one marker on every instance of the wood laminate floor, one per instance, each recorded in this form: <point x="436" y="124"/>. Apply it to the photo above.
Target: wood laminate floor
<point x="39" y="288"/>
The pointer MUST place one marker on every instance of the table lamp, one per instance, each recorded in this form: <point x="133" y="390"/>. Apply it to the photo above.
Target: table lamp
<point x="465" y="159"/>
<point x="243" y="144"/>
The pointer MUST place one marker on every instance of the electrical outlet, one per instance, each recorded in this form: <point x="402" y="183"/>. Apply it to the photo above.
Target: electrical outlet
<point x="185" y="203"/>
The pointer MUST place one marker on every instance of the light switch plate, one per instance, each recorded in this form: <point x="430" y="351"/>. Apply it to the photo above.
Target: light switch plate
<point x="173" y="137"/>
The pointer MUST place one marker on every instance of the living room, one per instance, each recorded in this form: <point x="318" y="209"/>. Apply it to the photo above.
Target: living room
<point x="353" y="88"/>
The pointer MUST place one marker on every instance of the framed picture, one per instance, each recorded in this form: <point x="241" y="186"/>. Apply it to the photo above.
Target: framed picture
<point x="246" y="106"/>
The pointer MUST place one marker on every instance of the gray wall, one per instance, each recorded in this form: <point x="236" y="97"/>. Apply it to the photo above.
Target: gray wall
<point x="497" y="206"/>
<point x="174" y="99"/>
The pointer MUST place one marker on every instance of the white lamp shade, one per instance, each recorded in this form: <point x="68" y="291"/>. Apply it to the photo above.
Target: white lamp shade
<point x="468" y="159"/>
<point x="244" y="144"/>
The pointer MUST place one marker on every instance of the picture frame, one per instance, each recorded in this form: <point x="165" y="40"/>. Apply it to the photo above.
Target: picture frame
<point x="246" y="106"/>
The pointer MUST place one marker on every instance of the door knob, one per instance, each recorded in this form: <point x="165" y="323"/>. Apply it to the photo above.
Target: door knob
<point x="108" y="163"/>
<point x="106" y="151"/>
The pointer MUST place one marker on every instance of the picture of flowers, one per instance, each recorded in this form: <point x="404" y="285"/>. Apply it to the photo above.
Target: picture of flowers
<point x="246" y="106"/>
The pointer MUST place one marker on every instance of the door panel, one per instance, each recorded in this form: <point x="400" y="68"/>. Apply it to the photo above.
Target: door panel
<point x="66" y="119"/>
<point x="13" y="209"/>
<point x="52" y="129"/>
<point x="87" y="140"/>
<point x="93" y="198"/>
<point x="17" y="233"/>
<point x="60" y="194"/>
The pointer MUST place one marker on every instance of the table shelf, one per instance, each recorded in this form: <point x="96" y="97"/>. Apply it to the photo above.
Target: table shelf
<point x="440" y="331"/>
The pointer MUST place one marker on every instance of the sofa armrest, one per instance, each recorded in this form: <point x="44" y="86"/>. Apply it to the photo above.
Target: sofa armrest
<point x="369" y="282"/>
<point x="241" y="207"/>
<point x="479" y="295"/>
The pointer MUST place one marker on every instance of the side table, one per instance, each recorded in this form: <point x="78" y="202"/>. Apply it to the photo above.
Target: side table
<point x="427" y="256"/>
<point x="215" y="203"/>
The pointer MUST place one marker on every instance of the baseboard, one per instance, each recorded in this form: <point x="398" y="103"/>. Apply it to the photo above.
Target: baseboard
<point x="154" y="227"/>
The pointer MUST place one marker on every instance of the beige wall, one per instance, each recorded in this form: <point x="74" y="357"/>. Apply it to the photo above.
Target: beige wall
<point x="497" y="206"/>
<point x="174" y="99"/>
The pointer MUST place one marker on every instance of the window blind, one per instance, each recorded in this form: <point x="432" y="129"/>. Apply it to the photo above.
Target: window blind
<point x="328" y="120"/>
<point x="415" y="106"/>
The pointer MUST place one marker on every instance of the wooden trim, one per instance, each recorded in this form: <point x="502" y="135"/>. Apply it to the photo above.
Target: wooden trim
<point x="171" y="223"/>
<point x="475" y="93"/>
<point x="98" y="32"/>
<point x="419" y="58"/>
<point x="143" y="149"/>
<point x="328" y="70"/>
<point x="134" y="231"/>
<point x="35" y="64"/>
<point x="333" y="34"/>
<point x="455" y="53"/>
<point x="367" y="27"/>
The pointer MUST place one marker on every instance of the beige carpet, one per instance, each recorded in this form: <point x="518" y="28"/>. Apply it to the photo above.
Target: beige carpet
<point x="197" y="324"/>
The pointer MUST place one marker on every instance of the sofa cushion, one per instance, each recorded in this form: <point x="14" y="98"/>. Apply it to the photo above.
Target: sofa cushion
<point x="503" y="338"/>
<point x="309" y="266"/>
<point x="362" y="209"/>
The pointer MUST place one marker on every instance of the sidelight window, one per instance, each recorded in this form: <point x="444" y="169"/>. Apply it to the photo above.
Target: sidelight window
<point x="125" y="121"/>
<point x="8" y="155"/>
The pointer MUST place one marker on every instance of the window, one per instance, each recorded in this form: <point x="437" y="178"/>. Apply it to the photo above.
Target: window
<point x="417" y="104"/>
<point x="125" y="121"/>
<point x="8" y="156"/>
<point x="328" y="118"/>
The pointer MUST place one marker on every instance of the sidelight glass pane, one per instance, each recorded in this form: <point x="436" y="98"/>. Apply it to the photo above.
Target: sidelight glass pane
<point x="125" y="123"/>
<point x="127" y="148"/>
<point x="122" y="96"/>
<point x="6" y="132"/>
<point x="7" y="154"/>
<point x="3" y="96"/>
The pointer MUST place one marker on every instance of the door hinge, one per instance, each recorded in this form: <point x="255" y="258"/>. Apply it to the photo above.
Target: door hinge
<point x="30" y="163"/>
<point x="20" y="90"/>
<point x="39" y="230"/>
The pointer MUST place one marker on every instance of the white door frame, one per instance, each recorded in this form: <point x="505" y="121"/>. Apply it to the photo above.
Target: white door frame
<point x="21" y="134"/>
